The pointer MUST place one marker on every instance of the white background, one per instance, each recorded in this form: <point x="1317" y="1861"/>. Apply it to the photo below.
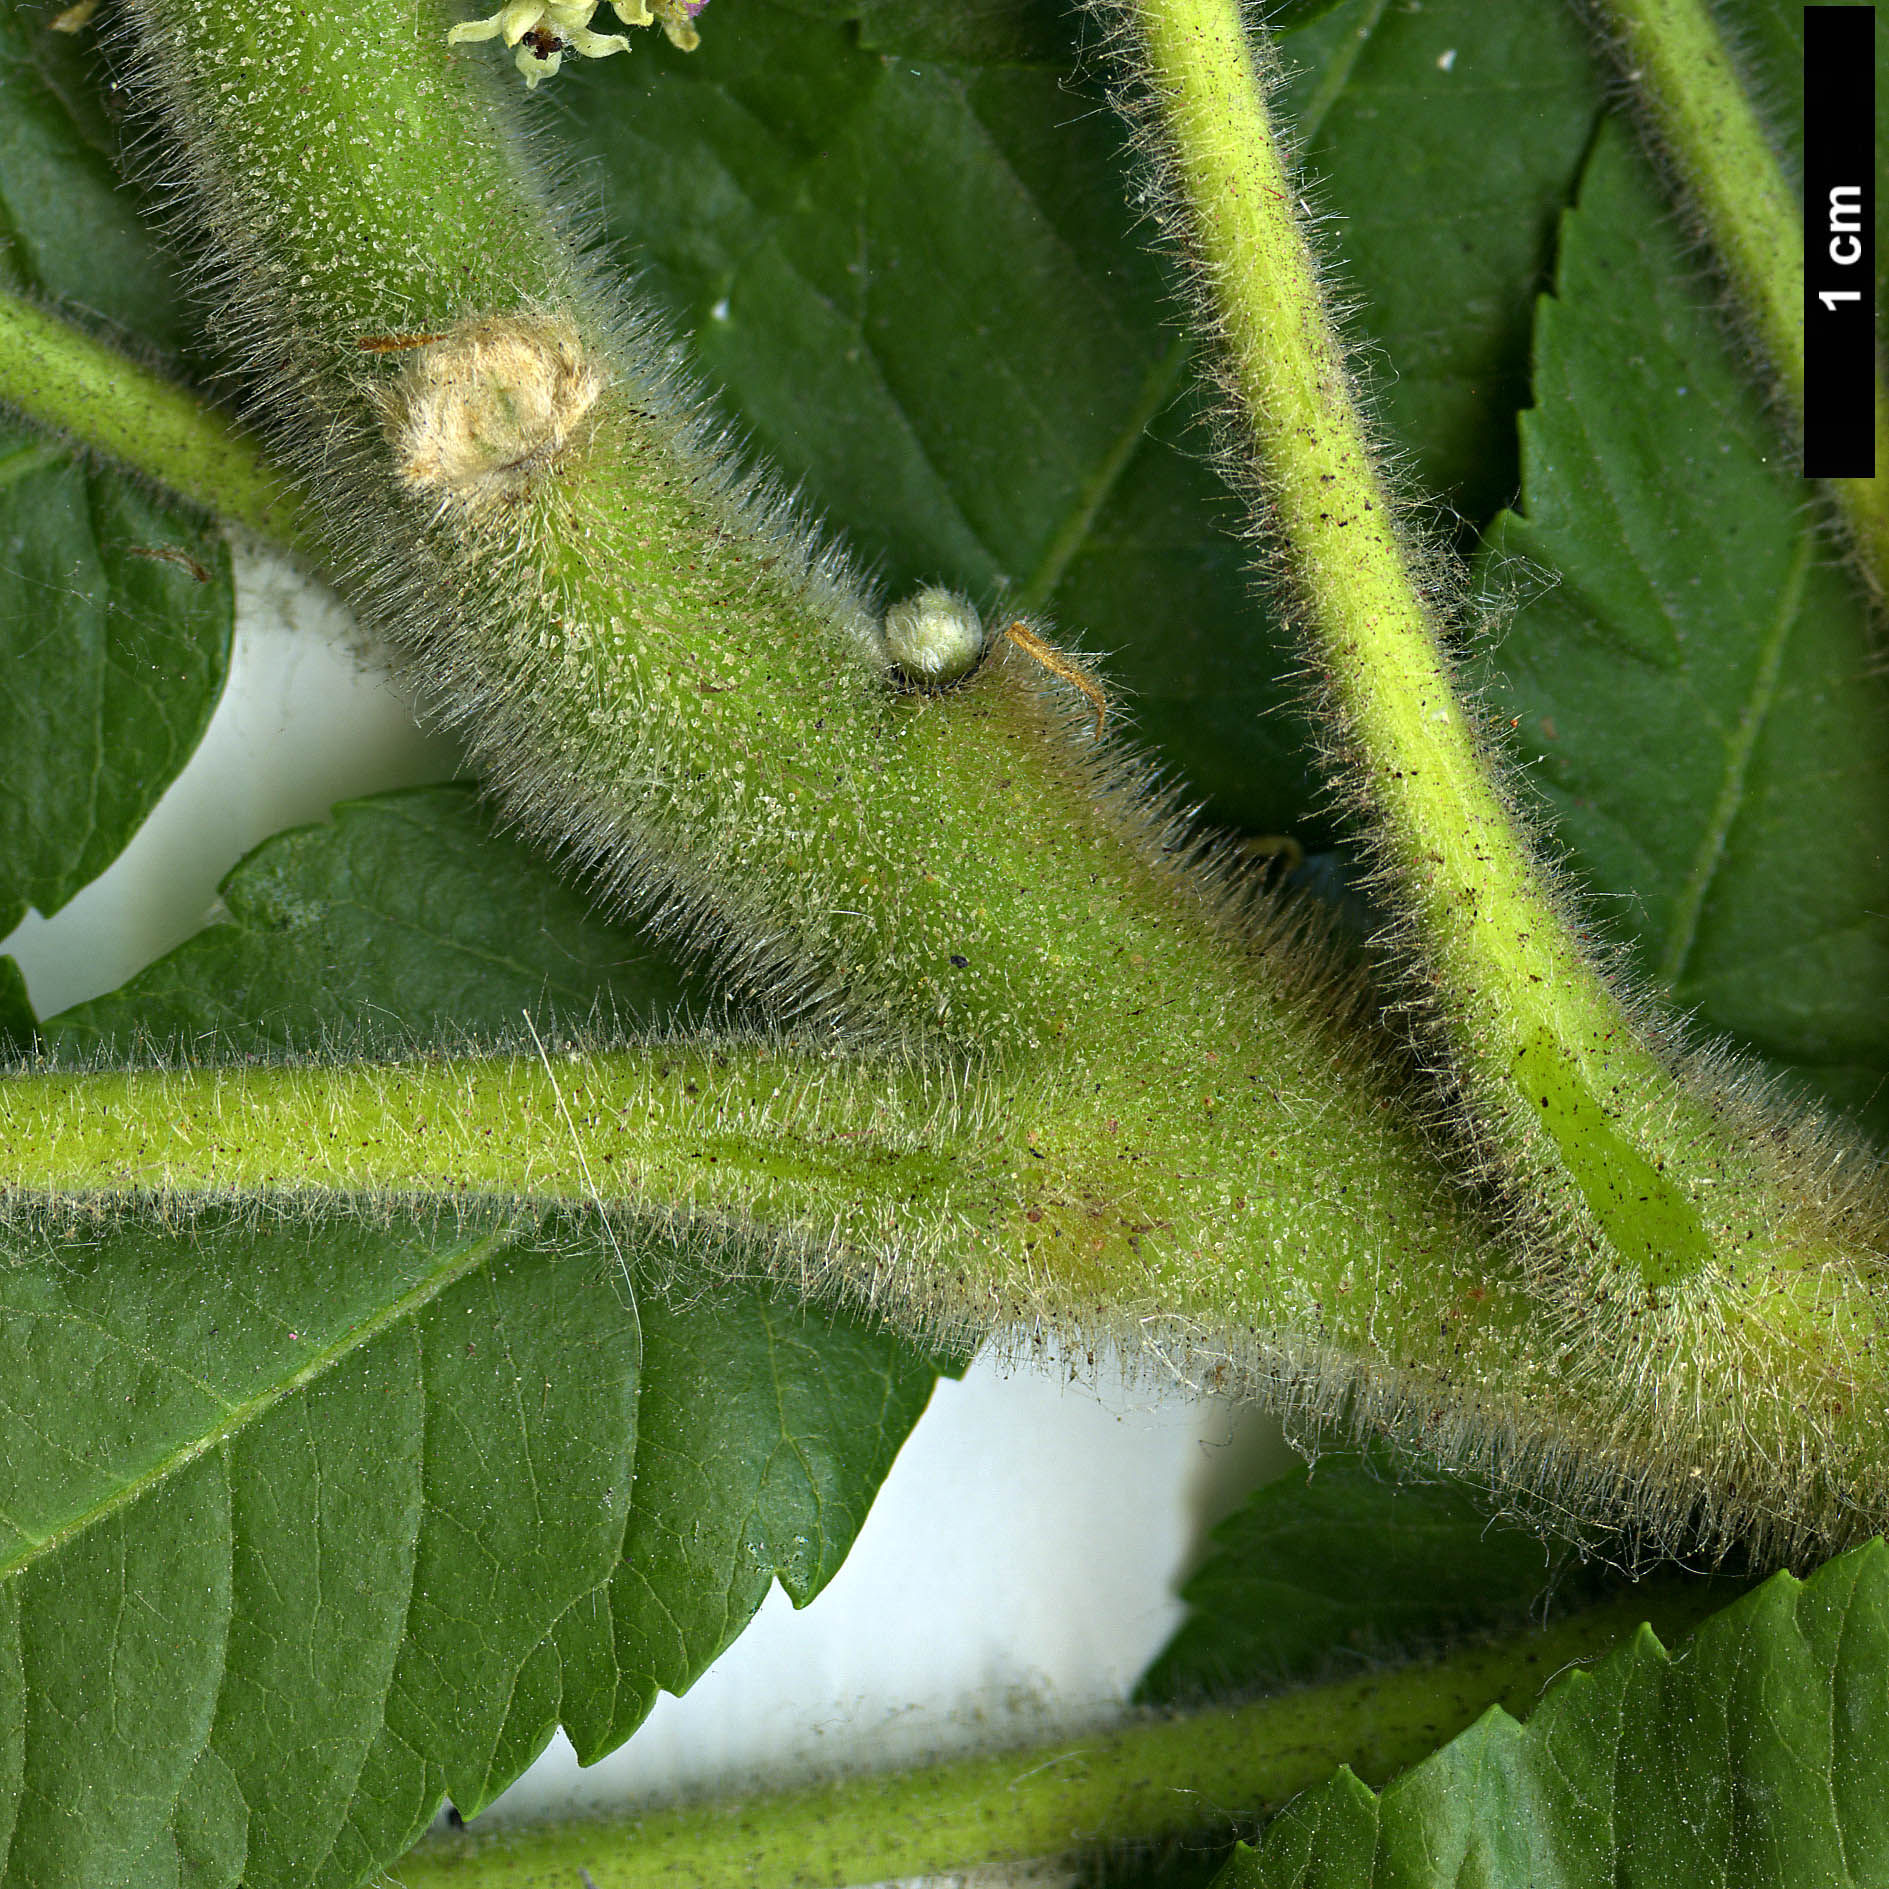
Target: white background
<point x="1018" y="1569"/>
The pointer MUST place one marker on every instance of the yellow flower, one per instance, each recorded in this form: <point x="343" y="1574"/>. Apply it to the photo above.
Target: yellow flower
<point x="543" y="31"/>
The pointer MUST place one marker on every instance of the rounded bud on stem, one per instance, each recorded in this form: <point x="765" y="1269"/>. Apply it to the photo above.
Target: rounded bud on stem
<point x="934" y="637"/>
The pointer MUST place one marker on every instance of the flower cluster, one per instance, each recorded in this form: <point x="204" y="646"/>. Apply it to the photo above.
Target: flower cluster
<point x="543" y="31"/>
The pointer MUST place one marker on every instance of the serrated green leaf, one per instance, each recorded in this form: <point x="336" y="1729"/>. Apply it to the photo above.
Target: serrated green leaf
<point x="121" y="1646"/>
<point x="926" y="298"/>
<point x="116" y="614"/>
<point x="116" y="607"/>
<point x="306" y="1525"/>
<point x="766" y="1432"/>
<point x="314" y="1512"/>
<point x="1754" y="1755"/>
<point x="407" y="914"/>
<point x="1700" y="702"/>
<point x="398" y="1458"/>
<point x="522" y="1515"/>
<point x="1333" y="1568"/>
<point x="1343" y="1565"/>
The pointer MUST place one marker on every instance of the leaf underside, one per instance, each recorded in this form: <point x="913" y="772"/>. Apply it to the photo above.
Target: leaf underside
<point x="1356" y="1561"/>
<point x="306" y="1524"/>
<point x="378" y="933"/>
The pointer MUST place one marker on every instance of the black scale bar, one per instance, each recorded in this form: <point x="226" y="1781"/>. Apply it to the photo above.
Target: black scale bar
<point x="1840" y="242"/>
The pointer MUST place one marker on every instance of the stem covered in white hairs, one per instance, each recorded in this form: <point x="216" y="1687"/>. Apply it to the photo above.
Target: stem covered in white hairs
<point x="1665" y="1204"/>
<point x="1033" y="1054"/>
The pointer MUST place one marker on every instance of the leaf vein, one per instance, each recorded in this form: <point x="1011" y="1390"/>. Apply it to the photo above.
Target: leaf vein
<point x="1688" y="904"/>
<point x="240" y="1416"/>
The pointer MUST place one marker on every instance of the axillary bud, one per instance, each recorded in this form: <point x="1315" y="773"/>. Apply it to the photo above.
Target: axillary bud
<point x="934" y="637"/>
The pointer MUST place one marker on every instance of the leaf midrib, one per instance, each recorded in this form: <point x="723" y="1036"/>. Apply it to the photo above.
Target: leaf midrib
<point x="238" y="1417"/>
<point x="1688" y="905"/>
<point x="1070" y="538"/>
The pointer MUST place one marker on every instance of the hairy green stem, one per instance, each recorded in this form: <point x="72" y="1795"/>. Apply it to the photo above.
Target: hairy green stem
<point x="1059" y="1066"/>
<point x="948" y="1198"/>
<point x="1670" y="1210"/>
<point x="1202" y="1773"/>
<point x="662" y="682"/>
<point x="1520" y="992"/>
<point x="849" y="1159"/>
<point x="59" y="376"/>
<point x="1700" y="111"/>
